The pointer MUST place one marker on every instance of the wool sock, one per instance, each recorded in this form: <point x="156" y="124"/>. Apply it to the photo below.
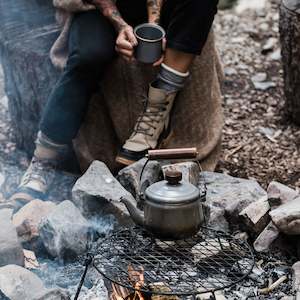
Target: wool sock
<point x="169" y="79"/>
<point x="48" y="149"/>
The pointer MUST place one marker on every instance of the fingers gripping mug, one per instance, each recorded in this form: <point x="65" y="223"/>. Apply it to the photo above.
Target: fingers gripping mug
<point x="150" y="42"/>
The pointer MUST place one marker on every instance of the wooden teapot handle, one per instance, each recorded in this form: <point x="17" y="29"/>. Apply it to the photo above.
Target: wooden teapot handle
<point x="179" y="153"/>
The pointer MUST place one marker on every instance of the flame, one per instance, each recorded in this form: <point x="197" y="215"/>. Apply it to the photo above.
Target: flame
<point x="137" y="280"/>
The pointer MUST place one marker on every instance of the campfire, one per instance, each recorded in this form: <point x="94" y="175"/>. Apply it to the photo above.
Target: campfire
<point x="141" y="267"/>
<point x="136" y="278"/>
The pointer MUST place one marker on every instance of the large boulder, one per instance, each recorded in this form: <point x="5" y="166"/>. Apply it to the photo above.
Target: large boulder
<point x="11" y="251"/>
<point x="28" y="218"/>
<point x="99" y="191"/>
<point x="17" y="283"/>
<point x="65" y="232"/>
<point x="232" y="194"/>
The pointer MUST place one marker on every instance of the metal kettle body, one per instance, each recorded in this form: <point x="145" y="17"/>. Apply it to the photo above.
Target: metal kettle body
<point x="172" y="209"/>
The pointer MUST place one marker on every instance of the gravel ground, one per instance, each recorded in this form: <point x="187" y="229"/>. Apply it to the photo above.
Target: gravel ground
<point x="259" y="141"/>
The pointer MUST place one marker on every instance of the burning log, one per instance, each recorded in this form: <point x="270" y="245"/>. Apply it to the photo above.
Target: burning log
<point x="137" y="280"/>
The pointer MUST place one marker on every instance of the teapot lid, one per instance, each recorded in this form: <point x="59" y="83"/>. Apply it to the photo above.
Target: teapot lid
<point x="172" y="190"/>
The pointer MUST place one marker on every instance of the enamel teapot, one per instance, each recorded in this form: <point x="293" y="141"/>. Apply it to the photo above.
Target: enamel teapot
<point x="172" y="208"/>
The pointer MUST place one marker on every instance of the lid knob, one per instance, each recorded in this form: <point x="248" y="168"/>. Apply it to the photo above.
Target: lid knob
<point x="173" y="177"/>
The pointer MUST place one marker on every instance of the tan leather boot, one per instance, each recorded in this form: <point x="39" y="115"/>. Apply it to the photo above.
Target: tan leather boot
<point x="151" y="127"/>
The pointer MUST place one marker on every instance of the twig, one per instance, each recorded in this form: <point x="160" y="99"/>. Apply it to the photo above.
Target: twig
<point x="235" y="150"/>
<point x="273" y="286"/>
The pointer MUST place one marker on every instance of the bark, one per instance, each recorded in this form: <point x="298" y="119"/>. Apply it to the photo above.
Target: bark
<point x="290" y="40"/>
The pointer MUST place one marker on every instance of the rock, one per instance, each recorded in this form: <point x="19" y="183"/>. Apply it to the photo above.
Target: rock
<point x="266" y="238"/>
<point x="190" y="171"/>
<point x="289" y="298"/>
<point x="30" y="260"/>
<point x="232" y="194"/>
<point x="259" y="77"/>
<point x="216" y="218"/>
<point x="255" y="216"/>
<point x="241" y="236"/>
<point x="276" y="55"/>
<point x="228" y="71"/>
<point x="28" y="218"/>
<point x="11" y="251"/>
<point x="129" y="177"/>
<point x="65" y="232"/>
<point x="98" y="291"/>
<point x="279" y="194"/>
<point x="287" y="217"/>
<point x="269" y="45"/>
<point x="18" y="283"/>
<point x="296" y="278"/>
<point x="3" y="297"/>
<point x="258" y="6"/>
<point x="2" y="179"/>
<point x="54" y="294"/>
<point x="98" y="191"/>
<point x="264" y="86"/>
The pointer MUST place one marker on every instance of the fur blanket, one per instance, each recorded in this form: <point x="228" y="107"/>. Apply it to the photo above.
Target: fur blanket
<point x="64" y="14"/>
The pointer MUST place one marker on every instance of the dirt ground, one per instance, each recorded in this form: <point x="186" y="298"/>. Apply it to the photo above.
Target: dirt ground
<point x="259" y="141"/>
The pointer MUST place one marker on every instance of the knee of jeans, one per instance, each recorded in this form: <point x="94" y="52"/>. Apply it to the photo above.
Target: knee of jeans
<point x="97" y="57"/>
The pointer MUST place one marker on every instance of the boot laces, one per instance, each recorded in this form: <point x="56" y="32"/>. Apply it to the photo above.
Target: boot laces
<point x="152" y="114"/>
<point x="40" y="170"/>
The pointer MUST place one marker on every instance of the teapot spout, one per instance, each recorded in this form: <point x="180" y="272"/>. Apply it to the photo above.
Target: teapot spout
<point x="136" y="215"/>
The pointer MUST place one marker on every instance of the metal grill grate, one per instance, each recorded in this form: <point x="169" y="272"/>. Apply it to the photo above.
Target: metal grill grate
<point x="208" y="262"/>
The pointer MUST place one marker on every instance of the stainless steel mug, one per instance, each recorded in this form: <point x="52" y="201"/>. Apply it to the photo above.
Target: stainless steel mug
<point x="150" y="42"/>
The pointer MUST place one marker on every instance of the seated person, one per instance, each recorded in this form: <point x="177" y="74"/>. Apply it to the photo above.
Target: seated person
<point x="95" y="37"/>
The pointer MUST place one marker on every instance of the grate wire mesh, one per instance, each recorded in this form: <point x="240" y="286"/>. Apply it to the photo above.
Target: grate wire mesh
<point x="205" y="263"/>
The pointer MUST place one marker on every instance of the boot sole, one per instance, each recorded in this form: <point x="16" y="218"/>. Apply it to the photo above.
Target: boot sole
<point x="124" y="160"/>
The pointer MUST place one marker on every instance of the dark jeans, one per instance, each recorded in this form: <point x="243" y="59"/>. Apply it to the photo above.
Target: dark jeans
<point x="91" y="49"/>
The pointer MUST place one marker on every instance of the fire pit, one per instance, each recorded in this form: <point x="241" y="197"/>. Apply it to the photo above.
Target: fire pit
<point x="137" y="261"/>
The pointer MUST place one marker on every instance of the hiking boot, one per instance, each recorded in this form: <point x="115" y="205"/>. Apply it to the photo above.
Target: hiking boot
<point x="151" y="128"/>
<point x="35" y="182"/>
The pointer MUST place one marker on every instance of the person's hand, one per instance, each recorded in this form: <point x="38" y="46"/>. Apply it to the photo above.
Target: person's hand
<point x="126" y="41"/>
<point x="161" y="60"/>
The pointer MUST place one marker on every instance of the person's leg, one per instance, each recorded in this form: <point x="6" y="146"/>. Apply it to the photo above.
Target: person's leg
<point x="187" y="23"/>
<point x="91" y="48"/>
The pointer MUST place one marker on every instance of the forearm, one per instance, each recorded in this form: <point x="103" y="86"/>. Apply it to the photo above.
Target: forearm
<point x="109" y="10"/>
<point x="154" y="7"/>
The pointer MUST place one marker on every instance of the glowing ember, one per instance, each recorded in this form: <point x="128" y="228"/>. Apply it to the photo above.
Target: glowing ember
<point x="137" y="280"/>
